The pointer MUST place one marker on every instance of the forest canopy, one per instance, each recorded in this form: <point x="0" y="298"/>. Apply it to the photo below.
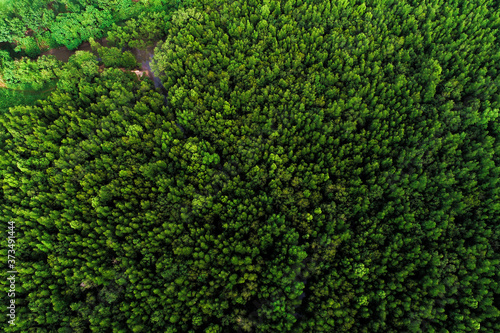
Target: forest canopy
<point x="312" y="166"/>
<point x="34" y="26"/>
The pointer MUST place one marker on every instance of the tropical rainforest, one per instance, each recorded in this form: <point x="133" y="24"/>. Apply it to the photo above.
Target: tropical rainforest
<point x="303" y="165"/>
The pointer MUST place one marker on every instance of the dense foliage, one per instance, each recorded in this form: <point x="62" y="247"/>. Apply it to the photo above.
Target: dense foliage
<point x="36" y="25"/>
<point x="317" y="166"/>
<point x="28" y="81"/>
<point x="113" y="57"/>
<point x="28" y="74"/>
<point x="83" y="134"/>
<point x="10" y="98"/>
<point x="142" y="32"/>
<point x="72" y="29"/>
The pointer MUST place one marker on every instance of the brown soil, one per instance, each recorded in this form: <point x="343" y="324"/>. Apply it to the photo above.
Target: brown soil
<point x="2" y="82"/>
